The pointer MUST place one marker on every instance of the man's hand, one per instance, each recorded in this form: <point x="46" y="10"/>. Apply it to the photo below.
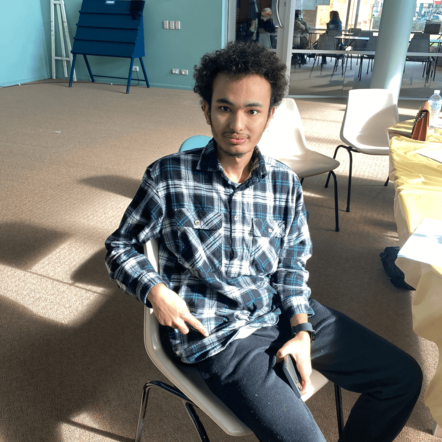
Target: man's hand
<point x="299" y="348"/>
<point x="172" y="311"/>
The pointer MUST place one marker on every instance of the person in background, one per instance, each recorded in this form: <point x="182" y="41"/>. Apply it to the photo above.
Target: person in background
<point x="335" y="21"/>
<point x="301" y="25"/>
<point x="334" y="24"/>
<point x="266" y="27"/>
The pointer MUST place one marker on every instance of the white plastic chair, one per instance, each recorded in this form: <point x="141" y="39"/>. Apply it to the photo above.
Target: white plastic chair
<point x="190" y="387"/>
<point x="285" y="140"/>
<point x="368" y="114"/>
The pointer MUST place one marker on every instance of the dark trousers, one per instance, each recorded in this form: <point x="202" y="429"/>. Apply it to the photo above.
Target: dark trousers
<point x="246" y="377"/>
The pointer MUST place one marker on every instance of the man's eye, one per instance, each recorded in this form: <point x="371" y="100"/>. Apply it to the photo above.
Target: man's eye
<point x="253" y="111"/>
<point x="224" y="108"/>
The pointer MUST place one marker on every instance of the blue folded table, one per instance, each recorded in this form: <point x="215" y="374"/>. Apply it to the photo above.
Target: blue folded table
<point x="110" y="28"/>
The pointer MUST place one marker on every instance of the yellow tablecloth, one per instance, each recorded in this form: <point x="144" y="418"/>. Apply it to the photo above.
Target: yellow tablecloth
<point x="418" y="185"/>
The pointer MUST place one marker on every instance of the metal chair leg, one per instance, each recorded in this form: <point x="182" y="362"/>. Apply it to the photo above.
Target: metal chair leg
<point x="349" y="180"/>
<point x="314" y="62"/>
<point x="168" y="389"/>
<point x="386" y="182"/>
<point x="340" y="416"/>
<point x="334" y="157"/>
<point x="336" y="201"/>
<point x="142" y="413"/>
<point x="196" y="421"/>
<point x="302" y="180"/>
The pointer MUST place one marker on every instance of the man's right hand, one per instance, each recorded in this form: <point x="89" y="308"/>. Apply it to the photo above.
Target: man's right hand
<point x="172" y="311"/>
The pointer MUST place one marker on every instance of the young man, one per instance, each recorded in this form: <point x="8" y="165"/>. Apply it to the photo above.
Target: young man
<point x="233" y="238"/>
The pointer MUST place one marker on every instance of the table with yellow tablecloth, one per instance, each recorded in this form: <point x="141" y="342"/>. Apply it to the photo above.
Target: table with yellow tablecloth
<point x="418" y="185"/>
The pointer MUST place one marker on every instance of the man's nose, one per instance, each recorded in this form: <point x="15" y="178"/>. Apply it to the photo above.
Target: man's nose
<point x="237" y="122"/>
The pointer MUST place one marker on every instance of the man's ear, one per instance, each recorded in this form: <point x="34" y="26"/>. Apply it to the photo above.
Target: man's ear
<point x="271" y="113"/>
<point x="206" y="112"/>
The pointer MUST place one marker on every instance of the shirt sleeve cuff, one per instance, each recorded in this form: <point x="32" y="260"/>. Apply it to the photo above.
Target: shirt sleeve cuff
<point x="146" y="283"/>
<point x="295" y="305"/>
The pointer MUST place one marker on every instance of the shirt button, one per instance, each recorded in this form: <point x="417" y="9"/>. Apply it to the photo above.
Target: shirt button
<point x="236" y="217"/>
<point x="270" y="230"/>
<point x="197" y="222"/>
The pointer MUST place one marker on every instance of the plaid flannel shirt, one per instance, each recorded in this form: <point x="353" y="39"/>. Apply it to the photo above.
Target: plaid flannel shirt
<point x="235" y="253"/>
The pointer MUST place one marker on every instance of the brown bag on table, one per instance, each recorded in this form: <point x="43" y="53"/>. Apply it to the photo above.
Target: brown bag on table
<point x="421" y="123"/>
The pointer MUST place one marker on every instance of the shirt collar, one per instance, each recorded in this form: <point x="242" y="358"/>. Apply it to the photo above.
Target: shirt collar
<point x="209" y="161"/>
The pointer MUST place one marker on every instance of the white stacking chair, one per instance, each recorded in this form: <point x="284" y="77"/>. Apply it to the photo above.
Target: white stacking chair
<point x="189" y="386"/>
<point x="368" y="114"/>
<point x="285" y="140"/>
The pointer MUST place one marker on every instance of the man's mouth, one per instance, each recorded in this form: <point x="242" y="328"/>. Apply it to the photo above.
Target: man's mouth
<point x="237" y="140"/>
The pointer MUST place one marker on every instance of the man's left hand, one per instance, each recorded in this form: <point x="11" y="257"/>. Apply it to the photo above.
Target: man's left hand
<point x="299" y="348"/>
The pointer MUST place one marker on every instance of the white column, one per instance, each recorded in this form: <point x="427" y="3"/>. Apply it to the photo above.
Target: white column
<point x="391" y="49"/>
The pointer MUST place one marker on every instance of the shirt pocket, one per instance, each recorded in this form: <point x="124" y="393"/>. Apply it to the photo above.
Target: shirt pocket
<point x="267" y="237"/>
<point x="199" y="235"/>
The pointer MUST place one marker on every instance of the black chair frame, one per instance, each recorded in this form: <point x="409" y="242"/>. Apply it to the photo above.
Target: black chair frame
<point x="349" y="150"/>
<point x="336" y="196"/>
<point x="189" y="405"/>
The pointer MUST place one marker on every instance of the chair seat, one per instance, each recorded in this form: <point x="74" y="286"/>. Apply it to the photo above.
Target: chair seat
<point x="188" y="380"/>
<point x="309" y="163"/>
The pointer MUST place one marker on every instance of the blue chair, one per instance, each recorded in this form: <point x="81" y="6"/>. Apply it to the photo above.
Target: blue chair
<point x="195" y="142"/>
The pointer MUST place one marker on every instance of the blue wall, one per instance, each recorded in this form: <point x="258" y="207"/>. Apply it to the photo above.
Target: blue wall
<point x="202" y="30"/>
<point x="23" y="45"/>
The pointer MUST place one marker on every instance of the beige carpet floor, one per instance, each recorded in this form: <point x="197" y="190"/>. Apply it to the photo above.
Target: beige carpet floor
<point x="72" y="362"/>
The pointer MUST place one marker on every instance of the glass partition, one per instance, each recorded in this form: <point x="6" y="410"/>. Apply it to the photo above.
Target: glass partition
<point x="337" y="59"/>
<point x="334" y="43"/>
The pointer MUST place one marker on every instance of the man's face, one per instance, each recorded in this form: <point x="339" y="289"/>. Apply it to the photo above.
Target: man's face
<point x="239" y="113"/>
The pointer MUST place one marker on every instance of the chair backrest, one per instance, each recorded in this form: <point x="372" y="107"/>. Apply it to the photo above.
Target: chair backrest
<point x="368" y="114"/>
<point x="194" y="142"/>
<point x="285" y="135"/>
<point x="432" y="27"/>
<point x="326" y="42"/>
<point x="185" y="377"/>
<point x="359" y="45"/>
<point x="419" y="44"/>
<point x="365" y="33"/>
<point x="371" y="43"/>
<point x="355" y="31"/>
<point x="334" y="32"/>
<point x="421" y="35"/>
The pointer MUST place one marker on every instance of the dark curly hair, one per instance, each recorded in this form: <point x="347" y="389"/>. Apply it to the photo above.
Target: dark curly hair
<point x="240" y="59"/>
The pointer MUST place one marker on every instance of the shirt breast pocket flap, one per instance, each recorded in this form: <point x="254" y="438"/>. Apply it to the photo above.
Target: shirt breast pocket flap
<point x="268" y="228"/>
<point x="198" y="220"/>
<point x="199" y="239"/>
